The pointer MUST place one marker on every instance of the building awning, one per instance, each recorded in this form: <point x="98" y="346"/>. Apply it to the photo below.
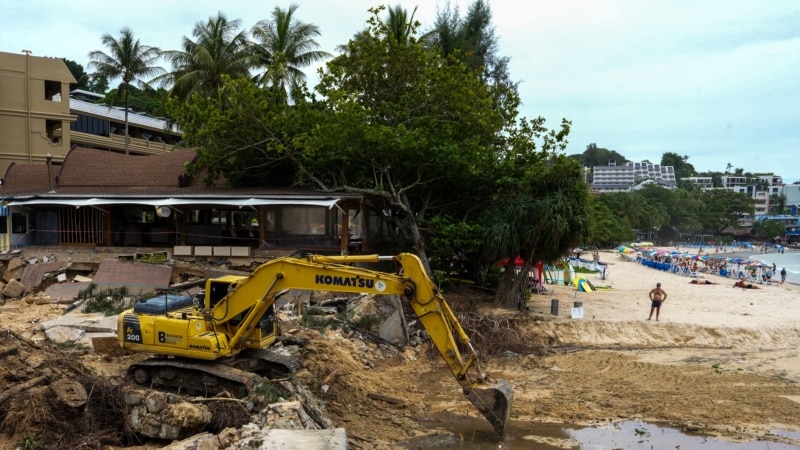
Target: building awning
<point x="156" y="202"/>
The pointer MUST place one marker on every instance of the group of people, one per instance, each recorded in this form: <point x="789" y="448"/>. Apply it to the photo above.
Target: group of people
<point x="658" y="296"/>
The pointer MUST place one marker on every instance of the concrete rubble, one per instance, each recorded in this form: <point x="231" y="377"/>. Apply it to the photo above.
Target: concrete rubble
<point x="282" y="425"/>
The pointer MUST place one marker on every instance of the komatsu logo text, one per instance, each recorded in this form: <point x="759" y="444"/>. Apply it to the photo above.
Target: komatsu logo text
<point x="356" y="282"/>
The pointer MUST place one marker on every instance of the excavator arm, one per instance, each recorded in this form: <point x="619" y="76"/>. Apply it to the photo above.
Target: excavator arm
<point x="493" y="398"/>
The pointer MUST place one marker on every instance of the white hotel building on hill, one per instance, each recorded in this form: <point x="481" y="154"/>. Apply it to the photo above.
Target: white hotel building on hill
<point x="614" y="178"/>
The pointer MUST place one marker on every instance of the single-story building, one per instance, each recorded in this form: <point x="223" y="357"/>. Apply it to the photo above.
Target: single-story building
<point x="102" y="198"/>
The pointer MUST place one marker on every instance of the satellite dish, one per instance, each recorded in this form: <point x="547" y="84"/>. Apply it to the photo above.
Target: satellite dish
<point x="163" y="211"/>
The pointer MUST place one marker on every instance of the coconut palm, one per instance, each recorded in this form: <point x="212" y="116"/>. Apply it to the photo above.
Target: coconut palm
<point x="400" y="25"/>
<point x="283" y="46"/>
<point x="126" y="58"/>
<point x="219" y="48"/>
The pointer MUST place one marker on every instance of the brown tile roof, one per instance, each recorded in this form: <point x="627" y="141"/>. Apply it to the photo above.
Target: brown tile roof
<point x="99" y="173"/>
<point x="27" y="178"/>
<point x="98" y="168"/>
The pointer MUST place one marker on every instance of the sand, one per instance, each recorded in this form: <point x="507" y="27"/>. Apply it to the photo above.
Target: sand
<point x="709" y="305"/>
<point x="757" y="329"/>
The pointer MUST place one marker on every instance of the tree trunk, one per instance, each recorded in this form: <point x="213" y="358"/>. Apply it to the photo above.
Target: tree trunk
<point x="513" y="290"/>
<point x="126" y="118"/>
<point x="12" y="391"/>
<point x="417" y="243"/>
<point x="69" y="393"/>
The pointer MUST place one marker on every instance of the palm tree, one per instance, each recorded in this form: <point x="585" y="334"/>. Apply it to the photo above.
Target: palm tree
<point x="283" y="46"/>
<point x="128" y="59"/>
<point x="399" y="24"/>
<point x="540" y="224"/>
<point x="219" y="48"/>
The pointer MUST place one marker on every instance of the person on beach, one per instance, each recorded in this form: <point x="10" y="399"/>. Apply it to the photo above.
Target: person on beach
<point x="701" y="282"/>
<point x="783" y="275"/>
<point x="657" y="297"/>
<point x="743" y="285"/>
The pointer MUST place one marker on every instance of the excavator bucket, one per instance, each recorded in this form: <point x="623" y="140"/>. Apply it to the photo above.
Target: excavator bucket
<point x="493" y="399"/>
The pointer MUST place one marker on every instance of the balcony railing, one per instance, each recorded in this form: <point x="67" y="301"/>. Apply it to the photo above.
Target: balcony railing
<point x="115" y="142"/>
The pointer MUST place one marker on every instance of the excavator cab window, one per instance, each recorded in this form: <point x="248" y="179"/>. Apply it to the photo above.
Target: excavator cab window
<point x="216" y="292"/>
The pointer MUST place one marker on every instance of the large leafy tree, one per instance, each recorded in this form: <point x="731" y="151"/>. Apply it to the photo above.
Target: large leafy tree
<point x="419" y="136"/>
<point x="244" y="134"/>
<point x="284" y="45"/>
<point x="539" y="223"/>
<point x="128" y="59"/>
<point x="407" y="129"/>
<point x="218" y="48"/>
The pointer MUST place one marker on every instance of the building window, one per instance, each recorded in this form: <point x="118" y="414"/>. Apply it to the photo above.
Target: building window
<point x="52" y="91"/>
<point x="90" y="125"/>
<point x="299" y="220"/>
<point x="19" y="223"/>
<point x="54" y="132"/>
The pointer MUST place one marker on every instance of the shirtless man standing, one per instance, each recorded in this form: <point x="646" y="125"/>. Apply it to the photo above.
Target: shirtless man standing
<point x="657" y="297"/>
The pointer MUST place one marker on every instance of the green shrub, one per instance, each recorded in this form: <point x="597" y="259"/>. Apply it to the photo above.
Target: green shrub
<point x="109" y="302"/>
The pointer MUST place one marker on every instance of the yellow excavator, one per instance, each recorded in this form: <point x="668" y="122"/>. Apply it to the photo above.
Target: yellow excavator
<point x="223" y="340"/>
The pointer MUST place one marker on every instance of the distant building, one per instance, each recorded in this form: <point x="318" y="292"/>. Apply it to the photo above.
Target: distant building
<point x="613" y="178"/>
<point x="703" y="183"/>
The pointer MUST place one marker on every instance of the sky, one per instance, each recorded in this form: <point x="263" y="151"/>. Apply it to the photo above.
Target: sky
<point x="717" y="81"/>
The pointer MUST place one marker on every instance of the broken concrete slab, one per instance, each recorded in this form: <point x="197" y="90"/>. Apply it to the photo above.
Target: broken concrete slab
<point x="387" y="311"/>
<point x="65" y="292"/>
<point x="35" y="273"/>
<point x="137" y="277"/>
<point x="331" y="439"/>
<point x="79" y="327"/>
<point x="90" y="323"/>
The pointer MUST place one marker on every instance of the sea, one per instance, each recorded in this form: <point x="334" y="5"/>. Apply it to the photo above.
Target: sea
<point x="790" y="259"/>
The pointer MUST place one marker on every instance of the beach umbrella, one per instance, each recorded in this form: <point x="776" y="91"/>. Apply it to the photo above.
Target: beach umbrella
<point x="518" y="261"/>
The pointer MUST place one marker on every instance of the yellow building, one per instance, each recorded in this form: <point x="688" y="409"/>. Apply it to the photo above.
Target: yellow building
<point x="34" y="109"/>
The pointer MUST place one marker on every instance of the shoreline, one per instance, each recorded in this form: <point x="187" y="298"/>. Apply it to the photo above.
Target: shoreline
<point x="793" y="256"/>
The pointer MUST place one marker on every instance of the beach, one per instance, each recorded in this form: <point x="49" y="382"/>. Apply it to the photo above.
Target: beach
<point x="712" y="317"/>
<point x="713" y="305"/>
